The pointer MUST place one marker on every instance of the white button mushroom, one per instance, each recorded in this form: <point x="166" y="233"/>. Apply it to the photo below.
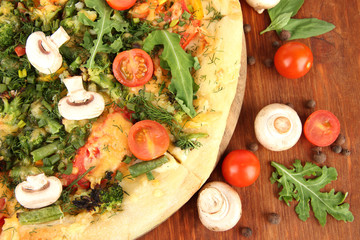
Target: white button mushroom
<point x="38" y="191"/>
<point x="219" y="206"/>
<point x="80" y="104"/>
<point x="43" y="52"/>
<point x="261" y="5"/>
<point x="277" y="127"/>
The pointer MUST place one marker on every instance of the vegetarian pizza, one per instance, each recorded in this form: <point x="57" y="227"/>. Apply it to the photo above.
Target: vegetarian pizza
<point x="112" y="112"/>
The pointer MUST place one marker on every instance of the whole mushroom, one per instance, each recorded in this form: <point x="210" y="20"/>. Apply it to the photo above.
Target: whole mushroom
<point x="43" y="51"/>
<point x="80" y="104"/>
<point x="219" y="206"/>
<point x="277" y="127"/>
<point x="261" y="5"/>
<point x="38" y="191"/>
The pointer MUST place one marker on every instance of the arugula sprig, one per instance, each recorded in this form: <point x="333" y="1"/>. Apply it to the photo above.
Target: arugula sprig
<point x="296" y="186"/>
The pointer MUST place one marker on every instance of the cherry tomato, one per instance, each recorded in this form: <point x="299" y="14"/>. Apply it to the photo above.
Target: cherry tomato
<point x="121" y="4"/>
<point x="293" y="60"/>
<point x="20" y="50"/>
<point x="133" y="68"/>
<point x="148" y="140"/>
<point x="322" y="128"/>
<point x="241" y="168"/>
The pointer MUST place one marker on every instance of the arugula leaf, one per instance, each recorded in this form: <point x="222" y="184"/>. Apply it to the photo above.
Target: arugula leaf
<point x="296" y="186"/>
<point x="180" y="64"/>
<point x="308" y="27"/>
<point x="106" y="22"/>
<point x="278" y="23"/>
<point x="285" y="6"/>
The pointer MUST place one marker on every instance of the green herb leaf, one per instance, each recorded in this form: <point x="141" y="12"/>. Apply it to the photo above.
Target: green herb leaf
<point x="106" y="22"/>
<point x="180" y="64"/>
<point x="278" y="23"/>
<point x="308" y="27"/>
<point x="285" y="6"/>
<point x="296" y="186"/>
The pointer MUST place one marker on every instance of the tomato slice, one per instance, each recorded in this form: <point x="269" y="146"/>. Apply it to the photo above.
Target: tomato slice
<point x="20" y="50"/>
<point x="121" y="4"/>
<point x="133" y="68"/>
<point x="148" y="140"/>
<point x="322" y="128"/>
<point x="191" y="31"/>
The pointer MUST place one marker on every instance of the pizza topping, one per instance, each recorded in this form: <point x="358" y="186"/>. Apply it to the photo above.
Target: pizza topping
<point x="278" y="127"/>
<point x="219" y="206"/>
<point x="42" y="215"/>
<point x="261" y="5"/>
<point x="43" y="52"/>
<point x="38" y="191"/>
<point x="80" y="104"/>
<point x="121" y="4"/>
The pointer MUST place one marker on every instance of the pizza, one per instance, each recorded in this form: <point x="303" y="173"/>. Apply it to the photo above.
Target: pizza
<point x="112" y="112"/>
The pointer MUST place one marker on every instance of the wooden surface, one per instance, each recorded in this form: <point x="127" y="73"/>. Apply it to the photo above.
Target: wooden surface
<point x="334" y="83"/>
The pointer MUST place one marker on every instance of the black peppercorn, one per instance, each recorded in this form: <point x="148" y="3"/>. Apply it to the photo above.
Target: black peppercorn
<point x="251" y="60"/>
<point x="319" y="157"/>
<point x="276" y="44"/>
<point x="269" y="62"/>
<point x="316" y="149"/>
<point x="252" y="147"/>
<point x="346" y="152"/>
<point x="285" y="35"/>
<point x="336" y="148"/>
<point x="310" y="104"/>
<point x="247" y="28"/>
<point x="290" y="105"/>
<point x="274" y="218"/>
<point x="340" y="139"/>
<point x="246" y="232"/>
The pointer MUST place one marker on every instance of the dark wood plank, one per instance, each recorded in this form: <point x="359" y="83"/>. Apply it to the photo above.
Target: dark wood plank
<point x="333" y="83"/>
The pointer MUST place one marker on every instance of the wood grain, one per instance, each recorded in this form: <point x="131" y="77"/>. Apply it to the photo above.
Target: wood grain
<point x="333" y="82"/>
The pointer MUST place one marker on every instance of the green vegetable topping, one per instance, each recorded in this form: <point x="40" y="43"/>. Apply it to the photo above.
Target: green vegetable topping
<point x="296" y="186"/>
<point x="41" y="215"/>
<point x="180" y="63"/>
<point x="145" y="167"/>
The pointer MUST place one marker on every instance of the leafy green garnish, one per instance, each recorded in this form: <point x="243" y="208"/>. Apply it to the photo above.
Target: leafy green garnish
<point x="106" y="22"/>
<point x="304" y="190"/>
<point x="180" y="63"/>
<point x="278" y="23"/>
<point x="285" y="6"/>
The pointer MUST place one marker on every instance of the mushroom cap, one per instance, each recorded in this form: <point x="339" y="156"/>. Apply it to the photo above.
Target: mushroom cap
<point x="219" y="206"/>
<point x="261" y="5"/>
<point x="38" y="191"/>
<point x="277" y="127"/>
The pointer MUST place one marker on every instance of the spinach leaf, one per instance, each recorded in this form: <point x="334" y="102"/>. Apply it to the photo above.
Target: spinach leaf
<point x="278" y="23"/>
<point x="180" y="64"/>
<point x="296" y="186"/>
<point x="308" y="27"/>
<point x="285" y="6"/>
<point x="106" y="22"/>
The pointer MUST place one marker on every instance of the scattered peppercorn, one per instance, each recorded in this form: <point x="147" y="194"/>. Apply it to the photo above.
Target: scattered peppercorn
<point x="316" y="149"/>
<point x="253" y="147"/>
<point x="346" y="152"/>
<point x="310" y="104"/>
<point x="319" y="157"/>
<point x="269" y="62"/>
<point x="340" y="139"/>
<point x="274" y="218"/>
<point x="246" y="232"/>
<point x="285" y="35"/>
<point x="251" y="60"/>
<point x="247" y="28"/>
<point x="336" y="148"/>
<point x="276" y="44"/>
<point x="290" y="105"/>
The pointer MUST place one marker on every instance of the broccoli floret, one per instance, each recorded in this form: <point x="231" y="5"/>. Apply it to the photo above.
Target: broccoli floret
<point x="11" y="111"/>
<point x="112" y="196"/>
<point x="72" y="25"/>
<point x="44" y="120"/>
<point x="32" y="139"/>
<point x="106" y="81"/>
<point x="6" y="35"/>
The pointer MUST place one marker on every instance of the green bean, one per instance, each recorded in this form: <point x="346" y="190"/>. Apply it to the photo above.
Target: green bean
<point x="145" y="167"/>
<point x="41" y="215"/>
<point x="45" y="151"/>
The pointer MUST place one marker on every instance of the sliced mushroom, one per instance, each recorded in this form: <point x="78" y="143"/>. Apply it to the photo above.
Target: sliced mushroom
<point x="38" y="191"/>
<point x="277" y="127"/>
<point x="43" y="52"/>
<point x="219" y="206"/>
<point x="261" y="5"/>
<point x="80" y="104"/>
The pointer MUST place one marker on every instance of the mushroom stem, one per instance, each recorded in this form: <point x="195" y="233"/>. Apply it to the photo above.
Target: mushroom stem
<point x="59" y="37"/>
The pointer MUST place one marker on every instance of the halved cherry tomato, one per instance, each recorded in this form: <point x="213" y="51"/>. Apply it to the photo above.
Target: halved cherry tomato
<point x="133" y="67"/>
<point x="20" y="50"/>
<point x="293" y="60"/>
<point x="322" y="128"/>
<point x="241" y="168"/>
<point x="121" y="4"/>
<point x="148" y="140"/>
<point x="191" y="31"/>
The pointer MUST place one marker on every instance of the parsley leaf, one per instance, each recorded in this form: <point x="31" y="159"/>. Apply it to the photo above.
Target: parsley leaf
<point x="180" y="63"/>
<point x="296" y="186"/>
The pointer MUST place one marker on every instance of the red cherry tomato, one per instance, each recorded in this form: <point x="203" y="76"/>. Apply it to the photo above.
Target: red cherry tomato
<point x="121" y="4"/>
<point x="293" y="60"/>
<point x="133" y="68"/>
<point x="322" y="128"/>
<point x="148" y="140"/>
<point x="241" y="168"/>
<point x="20" y="50"/>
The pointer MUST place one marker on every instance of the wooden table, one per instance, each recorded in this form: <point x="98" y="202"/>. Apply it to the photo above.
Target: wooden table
<point x="334" y="83"/>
